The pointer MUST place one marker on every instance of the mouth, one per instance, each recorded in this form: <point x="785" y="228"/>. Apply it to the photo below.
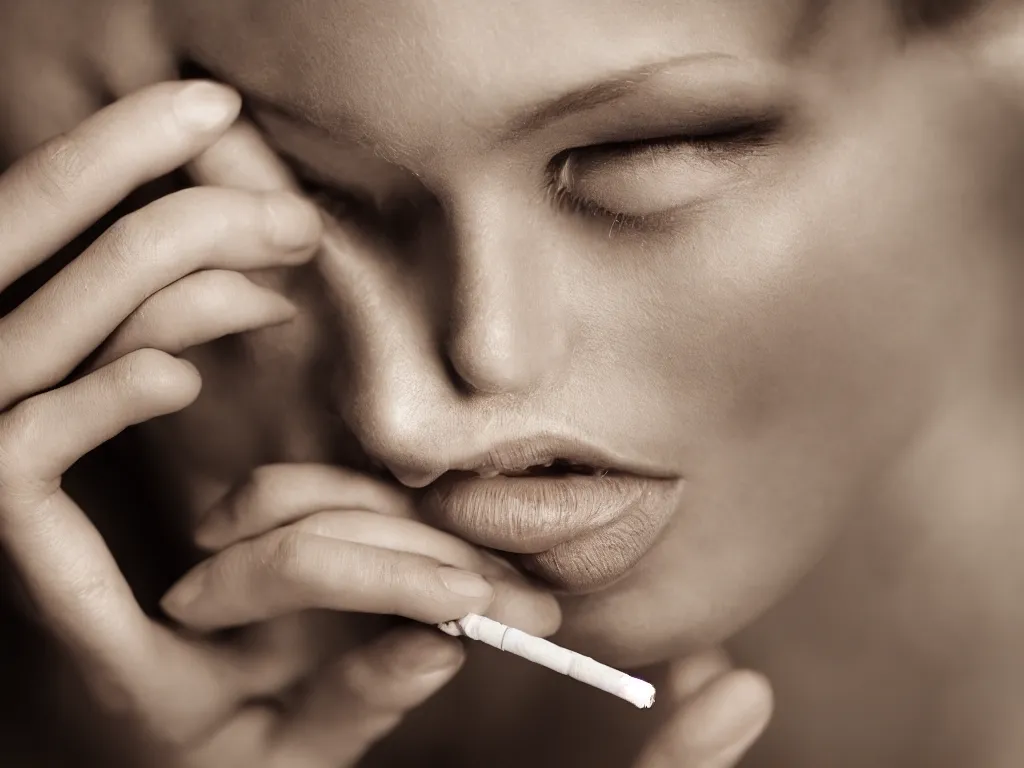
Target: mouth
<point x="577" y="523"/>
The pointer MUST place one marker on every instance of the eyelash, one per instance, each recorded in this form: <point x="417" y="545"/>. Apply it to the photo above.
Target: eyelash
<point x="729" y="142"/>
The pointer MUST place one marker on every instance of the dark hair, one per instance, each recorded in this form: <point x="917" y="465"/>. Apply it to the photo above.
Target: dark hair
<point x="935" y="15"/>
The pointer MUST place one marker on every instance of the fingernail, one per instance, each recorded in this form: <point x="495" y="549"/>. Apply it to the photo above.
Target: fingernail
<point x="464" y="583"/>
<point x="204" y="106"/>
<point x="291" y="221"/>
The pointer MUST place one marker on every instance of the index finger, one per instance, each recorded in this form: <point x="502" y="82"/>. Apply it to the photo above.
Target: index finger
<point x="55" y="192"/>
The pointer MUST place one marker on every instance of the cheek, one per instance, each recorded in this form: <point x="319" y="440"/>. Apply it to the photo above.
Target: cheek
<point x="798" y="344"/>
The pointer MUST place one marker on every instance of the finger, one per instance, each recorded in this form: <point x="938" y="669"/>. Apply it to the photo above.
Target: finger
<point x="277" y="494"/>
<point x="66" y="567"/>
<point x="516" y="603"/>
<point x="239" y="742"/>
<point x="241" y="159"/>
<point x="41" y="437"/>
<point x="358" y="700"/>
<point x="195" y="310"/>
<point x="70" y="574"/>
<point x="54" y="193"/>
<point x="714" y="728"/>
<point x="145" y="251"/>
<point x="289" y="570"/>
<point x="692" y="674"/>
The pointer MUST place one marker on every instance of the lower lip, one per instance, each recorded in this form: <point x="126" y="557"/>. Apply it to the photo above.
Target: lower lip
<point x="577" y="533"/>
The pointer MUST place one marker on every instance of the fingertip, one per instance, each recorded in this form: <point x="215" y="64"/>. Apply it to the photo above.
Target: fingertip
<point x="695" y="671"/>
<point x="527" y="609"/>
<point x="737" y="708"/>
<point x="163" y="382"/>
<point x="204" y="106"/>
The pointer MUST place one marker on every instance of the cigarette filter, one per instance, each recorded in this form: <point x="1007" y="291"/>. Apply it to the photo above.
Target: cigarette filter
<point x="638" y="692"/>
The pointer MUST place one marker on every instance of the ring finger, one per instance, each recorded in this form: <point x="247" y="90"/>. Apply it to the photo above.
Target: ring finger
<point x="147" y="250"/>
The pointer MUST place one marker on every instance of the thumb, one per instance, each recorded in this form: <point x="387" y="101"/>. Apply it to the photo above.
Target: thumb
<point x="718" y="713"/>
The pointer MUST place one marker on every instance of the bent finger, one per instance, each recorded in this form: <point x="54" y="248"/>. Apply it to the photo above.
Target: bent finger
<point x="516" y="602"/>
<point x="197" y="309"/>
<point x="67" y="568"/>
<point x="142" y="253"/>
<point x="241" y="159"/>
<point x="289" y="570"/>
<point x="716" y="727"/>
<point x="278" y="494"/>
<point x="41" y="437"/>
<point x="52" y="194"/>
<point x="359" y="699"/>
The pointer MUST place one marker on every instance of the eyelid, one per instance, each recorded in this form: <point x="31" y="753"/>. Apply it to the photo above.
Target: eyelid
<point x="717" y="147"/>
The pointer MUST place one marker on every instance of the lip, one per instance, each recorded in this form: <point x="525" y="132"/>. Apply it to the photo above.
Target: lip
<point x="576" y="533"/>
<point x="517" y="455"/>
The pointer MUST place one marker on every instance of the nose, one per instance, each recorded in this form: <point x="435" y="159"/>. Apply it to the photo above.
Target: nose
<point x="486" y="315"/>
<point x="508" y="328"/>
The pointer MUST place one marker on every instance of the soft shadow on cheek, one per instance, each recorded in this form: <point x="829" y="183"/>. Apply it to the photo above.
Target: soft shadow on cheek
<point x="263" y="398"/>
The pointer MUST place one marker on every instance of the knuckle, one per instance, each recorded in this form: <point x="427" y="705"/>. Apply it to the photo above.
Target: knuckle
<point x="136" y="239"/>
<point x="262" y="493"/>
<point x="320" y="524"/>
<point x="263" y="481"/>
<point x="289" y="555"/>
<point x="209" y="208"/>
<point x="19" y="429"/>
<point x="57" y="166"/>
<point x="365" y="682"/>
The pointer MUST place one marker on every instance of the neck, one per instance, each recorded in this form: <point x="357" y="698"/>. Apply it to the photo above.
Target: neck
<point x="903" y="647"/>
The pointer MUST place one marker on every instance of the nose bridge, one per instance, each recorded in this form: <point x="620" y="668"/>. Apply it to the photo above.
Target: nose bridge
<point x="394" y="389"/>
<point x="492" y="312"/>
<point x="508" y="327"/>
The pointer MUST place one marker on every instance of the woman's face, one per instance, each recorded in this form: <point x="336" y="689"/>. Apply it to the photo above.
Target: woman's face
<point x="702" y="244"/>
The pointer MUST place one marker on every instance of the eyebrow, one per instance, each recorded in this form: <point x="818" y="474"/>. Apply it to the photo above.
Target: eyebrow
<point x="593" y="95"/>
<point x="531" y="119"/>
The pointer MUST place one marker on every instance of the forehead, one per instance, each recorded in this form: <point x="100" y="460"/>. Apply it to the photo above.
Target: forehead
<point x="417" y="68"/>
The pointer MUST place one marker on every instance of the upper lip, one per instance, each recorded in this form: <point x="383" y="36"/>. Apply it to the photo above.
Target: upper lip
<point x="514" y="456"/>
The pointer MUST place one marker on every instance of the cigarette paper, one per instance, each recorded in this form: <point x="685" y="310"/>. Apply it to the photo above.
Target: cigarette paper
<point x="638" y="692"/>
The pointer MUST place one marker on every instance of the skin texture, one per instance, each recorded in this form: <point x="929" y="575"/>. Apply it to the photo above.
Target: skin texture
<point x="757" y="339"/>
<point x="291" y="551"/>
<point x="820" y="342"/>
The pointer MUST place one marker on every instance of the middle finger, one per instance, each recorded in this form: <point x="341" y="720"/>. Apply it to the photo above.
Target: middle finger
<point x="145" y="251"/>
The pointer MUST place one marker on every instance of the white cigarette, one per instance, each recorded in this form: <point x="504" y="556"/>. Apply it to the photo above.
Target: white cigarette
<point x="638" y="692"/>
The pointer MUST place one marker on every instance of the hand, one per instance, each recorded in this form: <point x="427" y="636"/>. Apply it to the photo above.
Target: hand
<point x="191" y="241"/>
<point x="310" y="536"/>
<point x="306" y="536"/>
<point x="185" y="698"/>
<point x="718" y="712"/>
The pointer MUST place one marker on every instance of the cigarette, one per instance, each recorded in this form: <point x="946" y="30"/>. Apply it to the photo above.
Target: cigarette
<point x="637" y="692"/>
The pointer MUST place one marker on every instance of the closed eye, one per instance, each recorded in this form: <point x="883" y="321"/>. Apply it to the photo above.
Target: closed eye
<point x="625" y="182"/>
